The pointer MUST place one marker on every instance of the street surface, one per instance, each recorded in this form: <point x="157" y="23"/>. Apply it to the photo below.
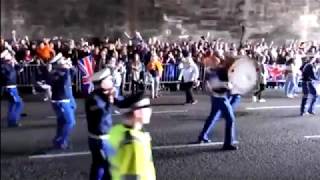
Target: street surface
<point x="274" y="142"/>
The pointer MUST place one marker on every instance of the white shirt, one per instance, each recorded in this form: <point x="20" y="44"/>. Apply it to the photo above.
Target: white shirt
<point x="190" y="73"/>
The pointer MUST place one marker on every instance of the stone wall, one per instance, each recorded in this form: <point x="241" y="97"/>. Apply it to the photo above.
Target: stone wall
<point x="164" y="18"/>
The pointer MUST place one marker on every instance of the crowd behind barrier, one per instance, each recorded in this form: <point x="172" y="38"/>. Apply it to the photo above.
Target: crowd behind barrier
<point x="120" y="53"/>
<point x="27" y="78"/>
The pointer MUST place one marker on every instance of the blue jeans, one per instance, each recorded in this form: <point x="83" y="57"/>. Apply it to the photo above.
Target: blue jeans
<point x="65" y="123"/>
<point x="222" y="106"/>
<point x="291" y="85"/>
<point x="72" y="100"/>
<point x="100" y="151"/>
<point x="15" y="106"/>
<point x="117" y="94"/>
<point x="308" y="88"/>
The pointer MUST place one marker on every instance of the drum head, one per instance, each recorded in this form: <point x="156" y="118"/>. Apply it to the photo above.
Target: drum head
<point x="243" y="75"/>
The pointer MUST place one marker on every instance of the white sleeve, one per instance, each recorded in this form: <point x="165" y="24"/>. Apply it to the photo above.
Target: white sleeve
<point x="196" y="72"/>
<point x="181" y="74"/>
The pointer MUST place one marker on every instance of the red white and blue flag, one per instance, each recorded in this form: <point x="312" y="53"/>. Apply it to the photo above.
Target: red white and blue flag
<point x="86" y="66"/>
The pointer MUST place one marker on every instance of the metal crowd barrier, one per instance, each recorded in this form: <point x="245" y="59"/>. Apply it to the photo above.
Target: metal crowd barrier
<point x="171" y="72"/>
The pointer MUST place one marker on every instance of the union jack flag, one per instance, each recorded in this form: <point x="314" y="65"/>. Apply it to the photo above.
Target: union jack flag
<point x="86" y="67"/>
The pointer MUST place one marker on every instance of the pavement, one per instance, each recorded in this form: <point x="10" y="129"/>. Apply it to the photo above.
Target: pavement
<point x="274" y="142"/>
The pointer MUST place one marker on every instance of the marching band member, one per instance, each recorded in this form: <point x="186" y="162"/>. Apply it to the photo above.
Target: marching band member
<point x="133" y="157"/>
<point x="61" y="102"/>
<point x="308" y="78"/>
<point x="98" y="107"/>
<point x="8" y="83"/>
<point x="72" y="72"/>
<point x="218" y="85"/>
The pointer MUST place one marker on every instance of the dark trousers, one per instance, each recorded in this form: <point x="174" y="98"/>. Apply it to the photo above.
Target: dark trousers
<point x="100" y="167"/>
<point x="308" y="88"/>
<point x="189" y="94"/>
<point x="135" y="87"/>
<point x="259" y="92"/>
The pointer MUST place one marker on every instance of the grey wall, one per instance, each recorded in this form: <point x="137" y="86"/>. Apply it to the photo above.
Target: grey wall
<point x="77" y="18"/>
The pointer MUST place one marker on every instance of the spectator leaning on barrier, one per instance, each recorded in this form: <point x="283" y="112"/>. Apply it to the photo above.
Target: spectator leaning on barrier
<point x="136" y="72"/>
<point x="44" y="51"/>
<point x="155" y="69"/>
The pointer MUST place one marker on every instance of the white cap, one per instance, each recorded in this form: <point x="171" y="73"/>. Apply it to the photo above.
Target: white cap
<point x="5" y="55"/>
<point x="100" y="75"/>
<point x="143" y="103"/>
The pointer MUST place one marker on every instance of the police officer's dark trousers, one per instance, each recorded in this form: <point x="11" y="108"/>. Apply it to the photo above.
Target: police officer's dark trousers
<point x="222" y="105"/>
<point x="308" y="88"/>
<point x="100" y="150"/>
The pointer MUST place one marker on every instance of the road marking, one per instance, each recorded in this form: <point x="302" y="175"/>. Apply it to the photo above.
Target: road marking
<point x="189" y="145"/>
<point x="47" y="156"/>
<point x="274" y="107"/>
<point x="83" y="153"/>
<point x="312" y="137"/>
<point x="164" y="112"/>
<point x="155" y="112"/>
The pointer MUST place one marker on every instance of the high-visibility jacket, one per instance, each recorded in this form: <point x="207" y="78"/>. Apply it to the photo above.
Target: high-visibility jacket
<point x="133" y="157"/>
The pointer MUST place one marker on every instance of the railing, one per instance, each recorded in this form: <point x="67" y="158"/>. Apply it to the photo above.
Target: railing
<point x="28" y="77"/>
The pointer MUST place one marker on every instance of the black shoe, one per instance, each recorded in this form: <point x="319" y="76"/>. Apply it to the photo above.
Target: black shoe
<point x="23" y="114"/>
<point x="204" y="141"/>
<point x="312" y="113"/>
<point x="14" y="125"/>
<point x="229" y="147"/>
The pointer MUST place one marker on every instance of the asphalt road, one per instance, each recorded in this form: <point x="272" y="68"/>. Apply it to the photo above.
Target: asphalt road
<point x="274" y="143"/>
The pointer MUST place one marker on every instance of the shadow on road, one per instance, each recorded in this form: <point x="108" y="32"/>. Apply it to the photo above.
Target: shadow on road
<point x="27" y="127"/>
<point x="182" y="153"/>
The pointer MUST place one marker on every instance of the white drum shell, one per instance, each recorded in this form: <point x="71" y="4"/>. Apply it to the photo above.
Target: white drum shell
<point x="243" y="75"/>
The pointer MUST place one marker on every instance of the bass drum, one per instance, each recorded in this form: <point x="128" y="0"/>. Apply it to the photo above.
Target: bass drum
<point x="243" y="75"/>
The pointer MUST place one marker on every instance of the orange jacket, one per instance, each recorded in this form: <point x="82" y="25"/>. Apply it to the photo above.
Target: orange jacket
<point x="45" y="53"/>
<point x="155" y="65"/>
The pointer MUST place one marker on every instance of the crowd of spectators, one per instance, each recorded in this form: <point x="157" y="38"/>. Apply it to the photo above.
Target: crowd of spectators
<point x="162" y="59"/>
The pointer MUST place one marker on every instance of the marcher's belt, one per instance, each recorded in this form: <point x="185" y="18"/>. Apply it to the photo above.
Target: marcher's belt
<point x="11" y="86"/>
<point x="218" y="95"/>
<point x="101" y="137"/>
<point x="63" y="100"/>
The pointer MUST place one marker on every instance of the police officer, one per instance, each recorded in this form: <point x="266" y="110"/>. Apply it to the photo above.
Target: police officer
<point x="8" y="83"/>
<point x="61" y="102"/>
<point x="308" y="78"/>
<point x="218" y="85"/>
<point x="133" y="157"/>
<point x="98" y="108"/>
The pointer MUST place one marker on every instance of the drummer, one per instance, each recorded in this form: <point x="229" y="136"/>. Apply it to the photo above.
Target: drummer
<point x="217" y="84"/>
